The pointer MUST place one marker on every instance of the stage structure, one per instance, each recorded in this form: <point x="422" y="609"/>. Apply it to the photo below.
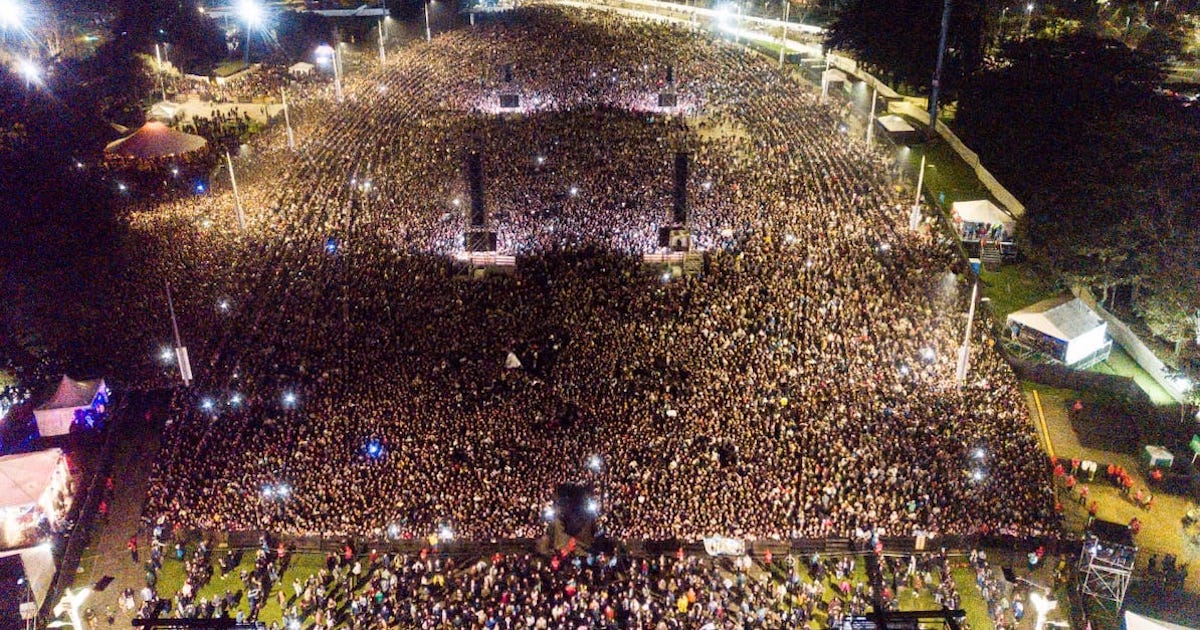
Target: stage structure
<point x="1106" y="562"/>
<point x="35" y="492"/>
<point x="479" y="239"/>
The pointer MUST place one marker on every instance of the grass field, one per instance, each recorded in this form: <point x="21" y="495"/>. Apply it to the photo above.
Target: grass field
<point x="1014" y="287"/>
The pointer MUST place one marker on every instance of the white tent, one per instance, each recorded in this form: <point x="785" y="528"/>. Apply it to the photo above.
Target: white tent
<point x="73" y="400"/>
<point x="164" y="111"/>
<point x="33" y="486"/>
<point x="1138" y="622"/>
<point x="982" y="218"/>
<point x="38" y="562"/>
<point x="301" y="69"/>
<point x="895" y="124"/>
<point x="1063" y="327"/>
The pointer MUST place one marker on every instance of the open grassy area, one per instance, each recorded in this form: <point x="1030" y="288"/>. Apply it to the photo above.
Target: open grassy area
<point x="947" y="176"/>
<point x="1120" y="363"/>
<point x="1014" y="287"/>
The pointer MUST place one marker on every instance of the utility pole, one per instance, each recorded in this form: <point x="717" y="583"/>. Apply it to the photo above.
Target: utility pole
<point x="937" y="71"/>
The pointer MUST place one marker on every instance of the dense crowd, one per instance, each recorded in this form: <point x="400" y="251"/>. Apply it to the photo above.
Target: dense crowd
<point x="351" y="379"/>
<point x="368" y="588"/>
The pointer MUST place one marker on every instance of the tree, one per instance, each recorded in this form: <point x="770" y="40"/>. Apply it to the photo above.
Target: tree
<point x="901" y="38"/>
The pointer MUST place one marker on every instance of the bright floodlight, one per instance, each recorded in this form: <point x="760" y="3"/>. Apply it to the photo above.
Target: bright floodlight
<point x="324" y="53"/>
<point x="29" y="71"/>
<point x="166" y="355"/>
<point x="235" y="399"/>
<point x="978" y="453"/>
<point x="250" y="11"/>
<point x="594" y="463"/>
<point x="1029" y="8"/>
<point x="289" y="399"/>
<point x="283" y="490"/>
<point x="11" y="14"/>
<point x="207" y="404"/>
<point x="592" y="507"/>
<point x="445" y="533"/>
<point x="549" y="513"/>
<point x="574" y="191"/>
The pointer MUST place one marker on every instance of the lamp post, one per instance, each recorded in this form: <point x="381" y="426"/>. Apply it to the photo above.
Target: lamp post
<point x="428" y="33"/>
<point x="237" y="197"/>
<point x="181" y="352"/>
<point x="937" y="70"/>
<point x="382" y="54"/>
<point x="251" y="13"/>
<point x="914" y="217"/>
<point x="964" y="353"/>
<point x="787" y="6"/>
<point x="12" y="16"/>
<point x="287" y="120"/>
<point x="162" y="84"/>
<point x="871" y="118"/>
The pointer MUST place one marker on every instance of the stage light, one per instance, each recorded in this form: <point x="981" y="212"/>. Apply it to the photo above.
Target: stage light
<point x="79" y="165"/>
<point x="457" y="202"/>
<point x="592" y="506"/>
<point x="666" y="277"/>
<point x="977" y="475"/>
<point x="166" y="355"/>
<point x="268" y="492"/>
<point x="706" y="185"/>
<point x="289" y="399"/>
<point x="445" y="534"/>
<point x="283" y="490"/>
<point x="595" y="463"/>
<point x="207" y="404"/>
<point x="549" y="513"/>
<point x="250" y="12"/>
<point x="11" y="14"/>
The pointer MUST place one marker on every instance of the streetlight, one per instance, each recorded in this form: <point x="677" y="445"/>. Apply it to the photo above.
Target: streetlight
<point x="428" y="33"/>
<point x="287" y="120"/>
<point x="595" y="463"/>
<point x="326" y="53"/>
<point x="914" y="217"/>
<point x="382" y="54"/>
<point x="251" y="13"/>
<point x="237" y="197"/>
<point x="11" y="14"/>
<point x="29" y="71"/>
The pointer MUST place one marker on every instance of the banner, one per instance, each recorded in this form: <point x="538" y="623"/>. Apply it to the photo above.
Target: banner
<point x="721" y="546"/>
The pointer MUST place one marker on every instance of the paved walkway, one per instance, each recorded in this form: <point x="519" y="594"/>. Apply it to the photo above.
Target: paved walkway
<point x="1162" y="531"/>
<point x="107" y="555"/>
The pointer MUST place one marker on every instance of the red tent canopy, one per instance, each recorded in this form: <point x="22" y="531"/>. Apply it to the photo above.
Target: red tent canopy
<point x="155" y="140"/>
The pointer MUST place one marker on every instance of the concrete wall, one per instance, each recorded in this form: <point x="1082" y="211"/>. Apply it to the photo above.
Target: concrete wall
<point x="899" y="105"/>
<point x="1127" y="339"/>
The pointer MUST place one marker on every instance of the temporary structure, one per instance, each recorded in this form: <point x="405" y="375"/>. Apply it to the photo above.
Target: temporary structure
<point x="73" y="402"/>
<point x="982" y="220"/>
<point x="155" y="140"/>
<point x="33" y="487"/>
<point x="1064" y="328"/>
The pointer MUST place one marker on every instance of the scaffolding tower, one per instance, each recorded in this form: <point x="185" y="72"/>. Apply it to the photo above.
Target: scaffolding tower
<point x="1105" y="568"/>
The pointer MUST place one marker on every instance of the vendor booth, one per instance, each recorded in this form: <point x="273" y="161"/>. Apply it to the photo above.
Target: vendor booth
<point x="1063" y="328"/>
<point x="35" y="489"/>
<point x="897" y="128"/>
<point x="80" y="403"/>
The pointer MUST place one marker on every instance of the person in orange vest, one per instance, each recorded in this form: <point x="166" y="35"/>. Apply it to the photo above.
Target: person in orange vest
<point x="767" y="557"/>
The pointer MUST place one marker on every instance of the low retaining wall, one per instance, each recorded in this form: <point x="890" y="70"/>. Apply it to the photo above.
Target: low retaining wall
<point x="1127" y="339"/>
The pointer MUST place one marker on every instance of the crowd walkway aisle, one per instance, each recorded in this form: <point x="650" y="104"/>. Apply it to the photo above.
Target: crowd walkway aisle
<point x="137" y="446"/>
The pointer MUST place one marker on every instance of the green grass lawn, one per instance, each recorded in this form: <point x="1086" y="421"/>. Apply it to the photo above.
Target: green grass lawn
<point x="1121" y="364"/>
<point x="946" y="173"/>
<point x="1014" y="287"/>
